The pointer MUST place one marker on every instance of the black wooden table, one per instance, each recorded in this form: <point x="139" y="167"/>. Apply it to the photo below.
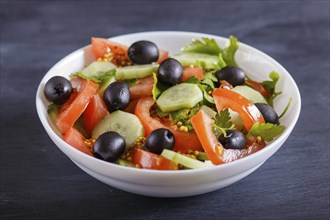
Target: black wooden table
<point x="40" y="182"/>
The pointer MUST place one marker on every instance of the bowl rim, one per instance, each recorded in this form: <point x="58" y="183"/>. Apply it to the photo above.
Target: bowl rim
<point x="235" y="163"/>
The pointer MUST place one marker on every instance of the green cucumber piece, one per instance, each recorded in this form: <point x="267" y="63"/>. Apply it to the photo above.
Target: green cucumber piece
<point x="236" y="119"/>
<point x="53" y="111"/>
<point x="104" y="85"/>
<point x="207" y="110"/>
<point x="136" y="71"/>
<point x="249" y="93"/>
<point x="125" y="163"/>
<point x="126" y="124"/>
<point x="184" y="95"/>
<point x="187" y="59"/>
<point x="79" y="125"/>
<point x="183" y="160"/>
<point x="97" y="71"/>
<point x="202" y="156"/>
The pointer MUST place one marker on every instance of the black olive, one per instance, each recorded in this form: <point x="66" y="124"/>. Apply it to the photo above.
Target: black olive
<point x="117" y="96"/>
<point x="232" y="74"/>
<point x="268" y="113"/>
<point x="159" y="140"/>
<point x="234" y="140"/>
<point x="170" y="72"/>
<point x="109" y="146"/>
<point x="58" y="90"/>
<point x="143" y="52"/>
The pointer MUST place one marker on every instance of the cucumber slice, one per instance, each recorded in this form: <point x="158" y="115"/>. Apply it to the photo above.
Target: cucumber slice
<point x="125" y="163"/>
<point x="104" y="85"/>
<point x="53" y="113"/>
<point x="96" y="71"/>
<point x="187" y="59"/>
<point x="126" y="124"/>
<point x="250" y="94"/>
<point x="207" y="110"/>
<point x="79" y="125"/>
<point x="236" y="119"/>
<point x="202" y="156"/>
<point x="184" y="95"/>
<point x="183" y="160"/>
<point x="136" y="71"/>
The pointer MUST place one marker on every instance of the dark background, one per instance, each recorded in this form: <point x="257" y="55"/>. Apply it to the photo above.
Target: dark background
<point x="40" y="182"/>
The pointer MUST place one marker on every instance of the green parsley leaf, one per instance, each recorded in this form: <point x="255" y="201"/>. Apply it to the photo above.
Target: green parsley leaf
<point x="184" y="116"/>
<point x="286" y="108"/>
<point x="206" y="45"/>
<point x="222" y="123"/>
<point x="98" y="77"/>
<point x="230" y="50"/>
<point x="157" y="88"/>
<point x="193" y="80"/>
<point x="208" y="98"/>
<point x="130" y="82"/>
<point x="266" y="131"/>
<point x="270" y="85"/>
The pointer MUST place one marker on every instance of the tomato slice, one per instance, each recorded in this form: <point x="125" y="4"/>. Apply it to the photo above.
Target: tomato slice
<point x="131" y="106"/>
<point x="153" y="161"/>
<point x="95" y="111"/>
<point x="75" y="106"/>
<point x="202" y="124"/>
<point x="77" y="140"/>
<point x="192" y="71"/>
<point x="184" y="141"/>
<point x="101" y="46"/>
<point x="259" y="87"/>
<point x="163" y="55"/>
<point x="142" y="87"/>
<point x="249" y="113"/>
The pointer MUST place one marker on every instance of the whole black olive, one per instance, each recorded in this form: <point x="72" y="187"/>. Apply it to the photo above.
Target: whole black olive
<point x="234" y="140"/>
<point x="109" y="146"/>
<point x="117" y="96"/>
<point x="143" y="52"/>
<point x="170" y="72"/>
<point x="268" y="113"/>
<point x="58" y="90"/>
<point x="232" y="74"/>
<point x="159" y="140"/>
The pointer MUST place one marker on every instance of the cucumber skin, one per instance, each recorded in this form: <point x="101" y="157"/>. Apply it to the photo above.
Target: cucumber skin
<point x="126" y="124"/>
<point x="183" y="160"/>
<point x="164" y="100"/>
<point x="135" y="72"/>
<point x="249" y="93"/>
<point x="186" y="59"/>
<point x="104" y="85"/>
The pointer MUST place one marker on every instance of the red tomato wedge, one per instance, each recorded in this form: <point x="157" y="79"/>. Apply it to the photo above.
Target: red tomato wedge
<point x="163" y="55"/>
<point x="101" y="46"/>
<point x="153" y="161"/>
<point x="249" y="113"/>
<point x="75" y="106"/>
<point x="259" y="87"/>
<point x="214" y="150"/>
<point x="131" y="106"/>
<point x="77" y="140"/>
<point x="184" y="141"/>
<point x="95" y="111"/>
<point x="142" y="87"/>
<point x="192" y="71"/>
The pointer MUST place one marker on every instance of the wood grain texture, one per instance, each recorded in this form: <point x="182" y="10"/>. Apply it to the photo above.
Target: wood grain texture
<point x="40" y="182"/>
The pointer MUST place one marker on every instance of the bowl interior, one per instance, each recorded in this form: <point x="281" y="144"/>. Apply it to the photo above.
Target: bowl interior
<point x="257" y="65"/>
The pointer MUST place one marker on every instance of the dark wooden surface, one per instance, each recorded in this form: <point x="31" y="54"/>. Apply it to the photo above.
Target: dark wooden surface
<point x="40" y="182"/>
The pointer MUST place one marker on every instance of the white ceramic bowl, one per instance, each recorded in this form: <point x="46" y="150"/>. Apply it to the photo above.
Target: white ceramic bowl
<point x="184" y="182"/>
